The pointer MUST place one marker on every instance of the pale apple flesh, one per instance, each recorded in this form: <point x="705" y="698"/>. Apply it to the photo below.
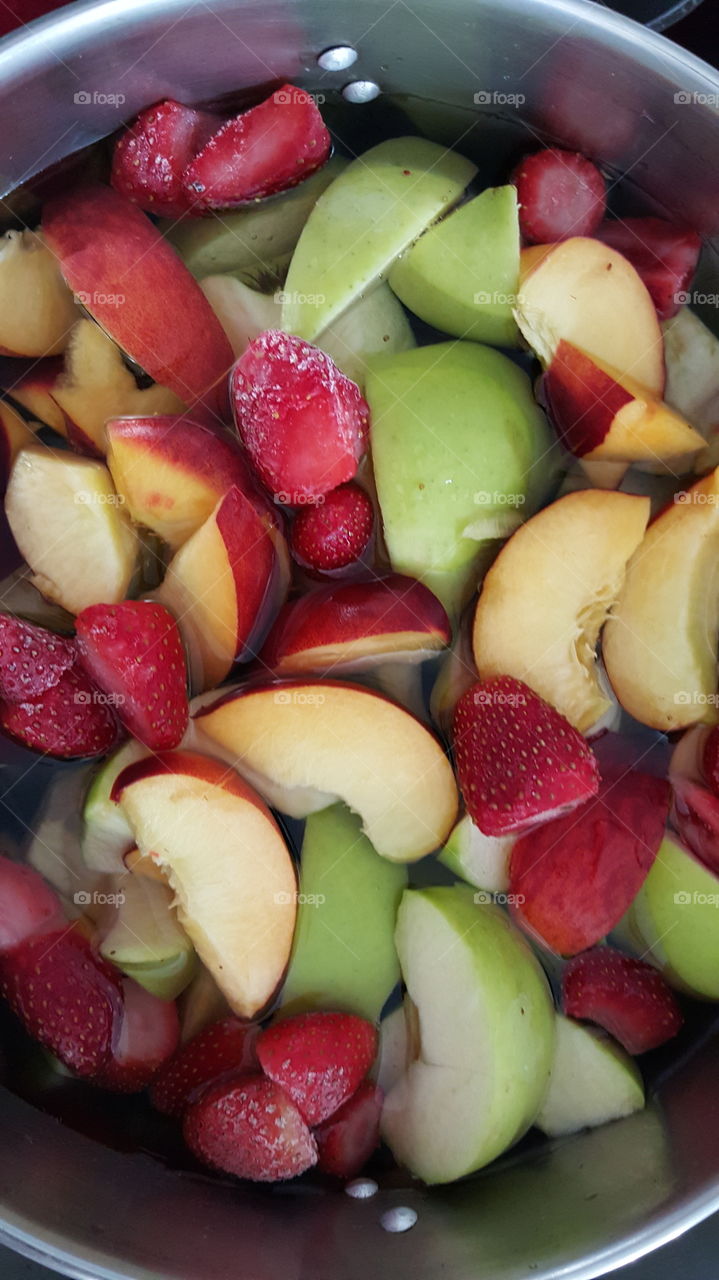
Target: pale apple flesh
<point x="593" y="1081"/>
<point x="304" y="744"/>
<point x="37" y="310"/>
<point x="227" y="863"/>
<point x="481" y="860"/>
<point x="15" y="434"/>
<point x="143" y="938"/>
<point x="660" y="643"/>
<point x="546" y="597"/>
<point x="107" y="836"/>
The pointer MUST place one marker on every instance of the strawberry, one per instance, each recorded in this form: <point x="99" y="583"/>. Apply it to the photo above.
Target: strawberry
<point x="223" y="1046"/>
<point x="572" y="879"/>
<point x="333" y="534"/>
<point x="320" y="1059"/>
<point x="28" y="906"/>
<point x="152" y="154"/>
<point x="346" y="1141"/>
<point x="664" y="255"/>
<point x="303" y="423"/>
<point x="627" y="997"/>
<point x="695" y="818"/>
<point x="145" y="1040"/>
<point x="260" y="152"/>
<point x="247" y="1125"/>
<point x="69" y="720"/>
<point x="710" y="760"/>
<point x="134" y="652"/>
<point x="518" y="760"/>
<point x="32" y="659"/>
<point x="560" y="194"/>
<point x="69" y="999"/>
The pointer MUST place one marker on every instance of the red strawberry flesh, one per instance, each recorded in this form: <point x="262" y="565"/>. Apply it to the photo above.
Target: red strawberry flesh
<point x="695" y="818"/>
<point x="560" y="194"/>
<point x="224" y="1046"/>
<point x="320" y="1059"/>
<point x="346" y="1141"/>
<point x="627" y="997"/>
<point x="28" y="906"/>
<point x="664" y="255"/>
<point x="32" y="659"/>
<point x="152" y="154"/>
<point x="303" y="423"/>
<point x="518" y="760"/>
<point x="134" y="652"/>
<point x="70" y="720"/>
<point x="710" y="760"/>
<point x="145" y="1040"/>
<point x="247" y="1125"/>
<point x="333" y="534"/>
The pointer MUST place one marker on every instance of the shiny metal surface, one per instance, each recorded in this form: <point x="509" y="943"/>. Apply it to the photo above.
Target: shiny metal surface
<point x="479" y="73"/>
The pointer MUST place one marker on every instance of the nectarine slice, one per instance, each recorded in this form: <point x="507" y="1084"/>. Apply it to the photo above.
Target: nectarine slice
<point x="37" y="310"/>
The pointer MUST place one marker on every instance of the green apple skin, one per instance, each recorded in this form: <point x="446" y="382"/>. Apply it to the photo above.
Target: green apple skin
<point x="593" y="1081"/>
<point x="107" y="836"/>
<point x="343" y="955"/>
<point x="373" y="324"/>
<point x="458" y="443"/>
<point x="363" y="221"/>
<point x="144" y="939"/>
<point x="676" y="917"/>
<point x="486" y="1030"/>
<point x="462" y="275"/>
<point x="254" y="243"/>
<point x="481" y="860"/>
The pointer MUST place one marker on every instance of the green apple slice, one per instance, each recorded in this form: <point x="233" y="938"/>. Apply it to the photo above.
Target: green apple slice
<point x="343" y="955"/>
<point x="374" y="324"/>
<point x="676" y="916"/>
<point x="144" y="939"/>
<point x="107" y="834"/>
<point x="363" y="221"/>
<point x="485" y="1031"/>
<point x="481" y="860"/>
<point x="593" y="1081"/>
<point x="462" y="275"/>
<point x="458" y="442"/>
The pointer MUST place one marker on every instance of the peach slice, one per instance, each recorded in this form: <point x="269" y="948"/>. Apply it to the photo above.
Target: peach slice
<point x="131" y="281"/>
<point x="305" y="744"/>
<point x="548" y="594"/>
<point x="224" y="586"/>
<point x="37" y="310"/>
<point x="660" y="645"/>
<point x="15" y="434"/>
<point x="173" y="470"/>
<point x="226" y="860"/>
<point x="28" y="384"/>
<point x="96" y="384"/>
<point x="354" y="626"/>
<point x="589" y="295"/>
<point x="602" y="415"/>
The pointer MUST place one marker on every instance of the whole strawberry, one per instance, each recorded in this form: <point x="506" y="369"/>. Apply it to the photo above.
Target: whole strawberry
<point x="333" y="534"/>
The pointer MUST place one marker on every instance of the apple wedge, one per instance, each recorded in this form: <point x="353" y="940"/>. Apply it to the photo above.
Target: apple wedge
<point x="481" y="860"/>
<point x="107" y="836"/>
<point x="131" y="281"/>
<point x="484" y="1036"/>
<point x="363" y="221"/>
<point x="660" y="643"/>
<point x="602" y="415"/>
<point x="96" y="384"/>
<point x="305" y="744"/>
<point x="593" y="1081"/>
<point x="356" y="626"/>
<point x="37" y="310"/>
<point x="243" y="312"/>
<point x="140" y="935"/>
<point x="227" y="863"/>
<point x="224" y="586"/>
<point x="71" y="528"/>
<point x="172" y="471"/>
<point x="589" y="295"/>
<point x="548" y="593"/>
<point x="376" y="323"/>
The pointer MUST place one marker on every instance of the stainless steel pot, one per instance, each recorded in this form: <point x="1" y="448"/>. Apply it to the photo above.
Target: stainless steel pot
<point x="478" y="73"/>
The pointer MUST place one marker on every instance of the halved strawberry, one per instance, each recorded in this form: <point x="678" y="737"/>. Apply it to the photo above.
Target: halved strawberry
<point x="151" y="156"/>
<point x="627" y="997"/>
<point x="247" y="1125"/>
<point x="32" y="659"/>
<point x="695" y="818"/>
<point x="145" y="1040"/>
<point x="69" y="999"/>
<point x="710" y="759"/>
<point x="303" y="423"/>
<point x="224" y="1046"/>
<point x="518" y="760"/>
<point x="665" y="256"/>
<point x="69" y="720"/>
<point x="333" y="534"/>
<point x="572" y="879"/>
<point x="346" y="1141"/>
<point x="560" y="194"/>
<point x="260" y="152"/>
<point x="134" y="652"/>
<point x="28" y="906"/>
<point x="320" y="1059"/>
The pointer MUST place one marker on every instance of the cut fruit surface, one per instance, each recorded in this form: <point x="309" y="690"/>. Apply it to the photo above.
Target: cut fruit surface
<point x="147" y="1038"/>
<point x="346" y="1141"/>
<point x="318" y="1058"/>
<point x="28" y="906"/>
<point x="481" y="860"/>
<point x="564" y="570"/>
<point x="665" y="256"/>
<point x="107" y="835"/>
<point x="142" y="937"/>
<point x="151" y="155"/>
<point x="560" y="194"/>
<point x="37" y="308"/>
<point x="375" y="323"/>
<point x="593" y="1081"/>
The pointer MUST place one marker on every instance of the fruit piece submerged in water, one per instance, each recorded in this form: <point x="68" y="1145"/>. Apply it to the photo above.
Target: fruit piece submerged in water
<point x="319" y="1059"/>
<point x="151" y="156"/>
<point x="560" y="194"/>
<point x="626" y="997"/>
<point x="247" y="1125"/>
<point x="333" y="534"/>
<point x="593" y="1081"/>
